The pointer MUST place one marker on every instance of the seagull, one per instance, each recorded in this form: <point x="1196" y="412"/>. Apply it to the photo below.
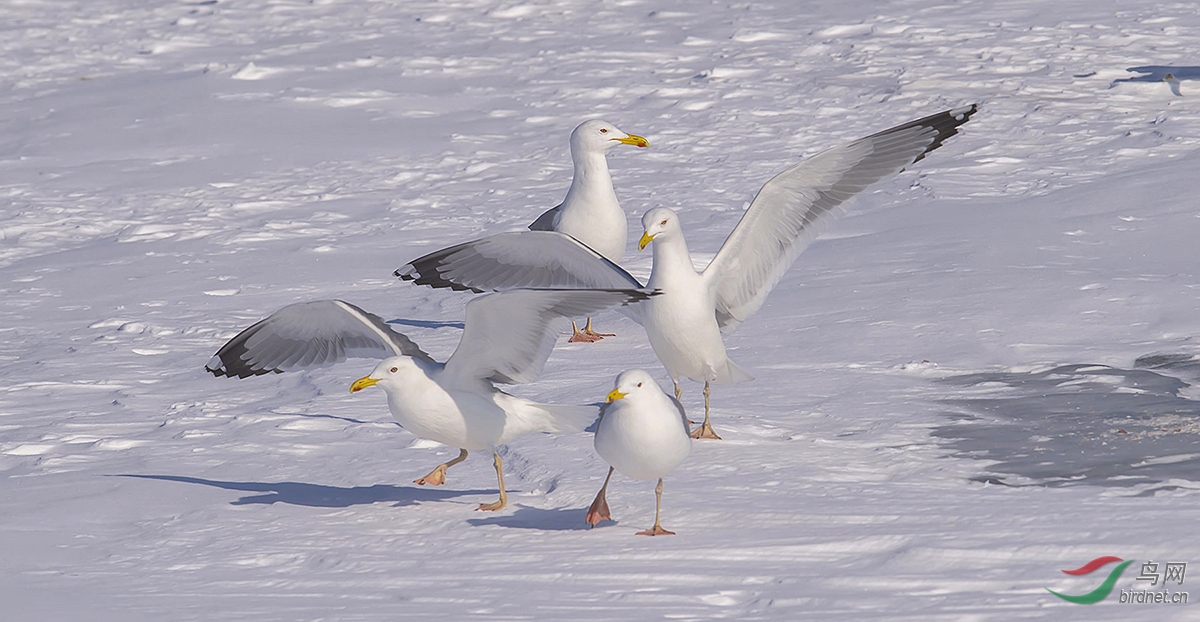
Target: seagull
<point x="590" y="212"/>
<point x="506" y="339"/>
<point x="642" y="433"/>
<point x="685" y="322"/>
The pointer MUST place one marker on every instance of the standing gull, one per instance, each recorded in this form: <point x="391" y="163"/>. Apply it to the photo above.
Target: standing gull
<point x="642" y="433"/>
<point x="590" y="212"/>
<point x="507" y="339"/>
<point x="684" y="323"/>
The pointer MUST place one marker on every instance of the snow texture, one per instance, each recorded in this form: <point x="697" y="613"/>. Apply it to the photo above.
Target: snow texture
<point x="982" y="375"/>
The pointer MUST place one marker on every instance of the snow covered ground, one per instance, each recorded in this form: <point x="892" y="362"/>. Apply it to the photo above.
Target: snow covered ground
<point x="980" y="377"/>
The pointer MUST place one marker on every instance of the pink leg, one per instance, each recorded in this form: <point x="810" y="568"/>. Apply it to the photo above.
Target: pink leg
<point x="599" y="509"/>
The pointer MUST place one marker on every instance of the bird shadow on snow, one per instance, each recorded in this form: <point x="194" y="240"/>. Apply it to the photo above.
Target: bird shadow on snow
<point x="320" y="496"/>
<point x="346" y="419"/>
<point x="1162" y="73"/>
<point x="1081" y="425"/>
<point x="525" y="517"/>
<point x="427" y="323"/>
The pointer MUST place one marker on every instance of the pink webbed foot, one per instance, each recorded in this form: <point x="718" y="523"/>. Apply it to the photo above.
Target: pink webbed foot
<point x="599" y="510"/>
<point x="587" y="335"/>
<point x="705" y="431"/>
<point x="436" y="477"/>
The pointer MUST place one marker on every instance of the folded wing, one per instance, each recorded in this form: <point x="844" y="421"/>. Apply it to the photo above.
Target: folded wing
<point x="310" y="334"/>
<point x="791" y="209"/>
<point x="547" y="220"/>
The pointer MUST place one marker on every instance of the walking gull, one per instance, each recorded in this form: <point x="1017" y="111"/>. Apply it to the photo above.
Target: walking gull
<point x="684" y="323"/>
<point x="642" y="433"/>
<point x="507" y="339"/>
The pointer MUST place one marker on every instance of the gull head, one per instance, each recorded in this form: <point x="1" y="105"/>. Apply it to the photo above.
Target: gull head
<point x="633" y="385"/>
<point x="659" y="221"/>
<point x="389" y="374"/>
<point x="598" y="136"/>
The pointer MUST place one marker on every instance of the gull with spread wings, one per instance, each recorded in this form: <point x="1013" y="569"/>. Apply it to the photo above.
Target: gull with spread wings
<point x="507" y="338"/>
<point x="684" y="323"/>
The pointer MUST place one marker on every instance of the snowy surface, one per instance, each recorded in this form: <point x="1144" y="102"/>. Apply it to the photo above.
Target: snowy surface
<point x="949" y="405"/>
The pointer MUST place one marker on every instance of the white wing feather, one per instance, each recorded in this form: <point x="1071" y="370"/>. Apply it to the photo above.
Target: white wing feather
<point x="793" y="207"/>
<point x="509" y="335"/>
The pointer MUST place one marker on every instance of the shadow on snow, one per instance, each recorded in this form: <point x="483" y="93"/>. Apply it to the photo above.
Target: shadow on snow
<point x="1162" y="73"/>
<point x="427" y="323"/>
<point x="1081" y="424"/>
<point x="320" y="496"/>
<point x="561" y="519"/>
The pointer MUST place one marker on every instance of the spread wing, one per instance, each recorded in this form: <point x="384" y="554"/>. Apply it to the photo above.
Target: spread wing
<point x="310" y="334"/>
<point x="792" y="208"/>
<point x="509" y="335"/>
<point x="521" y="259"/>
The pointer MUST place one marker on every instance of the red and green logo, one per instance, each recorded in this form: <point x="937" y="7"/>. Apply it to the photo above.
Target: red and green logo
<point x="1101" y="592"/>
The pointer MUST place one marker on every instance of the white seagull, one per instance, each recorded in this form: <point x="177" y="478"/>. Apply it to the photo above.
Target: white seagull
<point x="507" y="339"/>
<point x="684" y="323"/>
<point x="590" y="212"/>
<point x="642" y="433"/>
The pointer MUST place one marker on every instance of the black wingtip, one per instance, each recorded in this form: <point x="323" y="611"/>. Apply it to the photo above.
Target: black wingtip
<point x="426" y="270"/>
<point x="229" y="361"/>
<point x="639" y="295"/>
<point x="231" y="368"/>
<point x="945" y="123"/>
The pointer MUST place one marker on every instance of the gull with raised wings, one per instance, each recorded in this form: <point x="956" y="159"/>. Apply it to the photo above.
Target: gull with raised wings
<point x="684" y="323"/>
<point x="506" y="339"/>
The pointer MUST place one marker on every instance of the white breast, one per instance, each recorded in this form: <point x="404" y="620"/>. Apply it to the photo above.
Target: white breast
<point x="643" y="441"/>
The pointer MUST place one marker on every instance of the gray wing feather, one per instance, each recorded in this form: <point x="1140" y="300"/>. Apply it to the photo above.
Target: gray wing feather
<point x="310" y="334"/>
<point x="509" y="335"/>
<point x="522" y="259"/>
<point x="791" y="209"/>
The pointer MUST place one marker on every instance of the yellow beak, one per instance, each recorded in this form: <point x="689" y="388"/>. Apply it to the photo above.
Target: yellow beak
<point x="614" y="395"/>
<point x="646" y="238"/>
<point x="635" y="140"/>
<point x="362" y="383"/>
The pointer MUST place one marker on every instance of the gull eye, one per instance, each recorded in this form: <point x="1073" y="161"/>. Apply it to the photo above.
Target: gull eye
<point x="604" y="130"/>
<point x="394" y="369"/>
<point x="663" y="223"/>
<point x="639" y="385"/>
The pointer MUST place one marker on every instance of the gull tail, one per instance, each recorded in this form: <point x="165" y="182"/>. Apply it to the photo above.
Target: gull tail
<point x="525" y="417"/>
<point x="732" y="374"/>
<point x="563" y="418"/>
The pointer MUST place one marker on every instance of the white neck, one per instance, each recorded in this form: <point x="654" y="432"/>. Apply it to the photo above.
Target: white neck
<point x="672" y="262"/>
<point x="592" y="182"/>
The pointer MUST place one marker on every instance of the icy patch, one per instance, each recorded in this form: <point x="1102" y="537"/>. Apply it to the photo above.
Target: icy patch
<point x="253" y="72"/>
<point x="847" y="30"/>
<point x="30" y="449"/>
<point x="120" y="444"/>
